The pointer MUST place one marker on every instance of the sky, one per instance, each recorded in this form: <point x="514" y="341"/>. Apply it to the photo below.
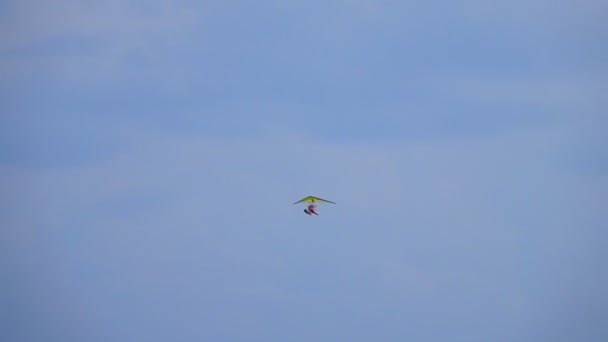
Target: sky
<point x="150" y="154"/>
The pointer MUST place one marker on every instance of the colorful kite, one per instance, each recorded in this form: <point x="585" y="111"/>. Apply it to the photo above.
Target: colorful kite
<point x="311" y="200"/>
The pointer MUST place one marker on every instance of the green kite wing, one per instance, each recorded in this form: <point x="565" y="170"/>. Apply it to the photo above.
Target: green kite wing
<point x="313" y="199"/>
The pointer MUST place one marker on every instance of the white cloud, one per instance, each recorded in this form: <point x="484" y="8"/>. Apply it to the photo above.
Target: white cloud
<point x="85" y="41"/>
<point x="33" y="21"/>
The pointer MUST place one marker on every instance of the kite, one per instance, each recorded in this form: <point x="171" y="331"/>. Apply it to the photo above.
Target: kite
<point x="311" y="200"/>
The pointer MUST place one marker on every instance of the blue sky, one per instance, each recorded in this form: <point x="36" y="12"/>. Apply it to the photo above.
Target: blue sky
<point x="150" y="155"/>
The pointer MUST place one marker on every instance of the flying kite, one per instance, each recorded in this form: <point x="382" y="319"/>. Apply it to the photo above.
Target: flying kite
<point x="311" y="200"/>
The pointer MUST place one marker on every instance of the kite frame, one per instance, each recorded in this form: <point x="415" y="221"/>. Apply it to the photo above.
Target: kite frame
<point x="314" y="199"/>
